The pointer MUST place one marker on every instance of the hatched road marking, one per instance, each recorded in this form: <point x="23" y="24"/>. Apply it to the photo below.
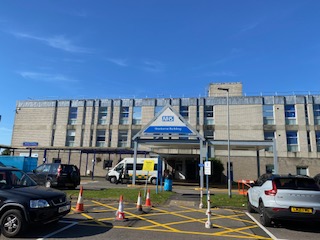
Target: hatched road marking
<point x="231" y="224"/>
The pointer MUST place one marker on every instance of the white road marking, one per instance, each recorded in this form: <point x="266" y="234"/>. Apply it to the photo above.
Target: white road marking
<point x="60" y="230"/>
<point x="262" y="227"/>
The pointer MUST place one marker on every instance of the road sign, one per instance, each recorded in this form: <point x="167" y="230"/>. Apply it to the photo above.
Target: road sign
<point x="201" y="165"/>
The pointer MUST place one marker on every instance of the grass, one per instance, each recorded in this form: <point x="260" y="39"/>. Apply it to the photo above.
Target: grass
<point x="129" y="195"/>
<point x="223" y="200"/>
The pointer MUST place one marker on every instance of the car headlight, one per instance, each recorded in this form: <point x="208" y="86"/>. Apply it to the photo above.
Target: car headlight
<point x="40" y="203"/>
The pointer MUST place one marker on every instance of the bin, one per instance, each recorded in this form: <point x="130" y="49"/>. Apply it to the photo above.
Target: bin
<point x="168" y="183"/>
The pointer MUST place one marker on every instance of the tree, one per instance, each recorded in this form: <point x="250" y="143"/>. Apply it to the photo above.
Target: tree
<point x="217" y="170"/>
<point x="6" y="152"/>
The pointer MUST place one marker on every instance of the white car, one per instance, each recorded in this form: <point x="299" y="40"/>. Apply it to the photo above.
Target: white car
<point x="289" y="197"/>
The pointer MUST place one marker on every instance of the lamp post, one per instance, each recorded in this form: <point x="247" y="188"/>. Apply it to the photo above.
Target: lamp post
<point x="228" y="130"/>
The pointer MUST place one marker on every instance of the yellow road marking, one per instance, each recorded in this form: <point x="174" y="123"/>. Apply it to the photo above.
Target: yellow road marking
<point x="140" y="217"/>
<point x="227" y="232"/>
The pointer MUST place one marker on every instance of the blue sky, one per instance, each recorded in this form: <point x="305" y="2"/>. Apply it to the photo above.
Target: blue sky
<point x="75" y="49"/>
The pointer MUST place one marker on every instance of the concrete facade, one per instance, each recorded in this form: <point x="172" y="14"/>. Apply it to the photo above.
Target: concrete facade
<point x="49" y="124"/>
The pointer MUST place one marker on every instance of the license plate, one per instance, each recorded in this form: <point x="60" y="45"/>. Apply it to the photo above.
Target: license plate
<point x="301" y="210"/>
<point x="64" y="208"/>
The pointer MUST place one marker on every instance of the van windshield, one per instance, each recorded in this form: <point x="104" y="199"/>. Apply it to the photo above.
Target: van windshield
<point x="119" y="167"/>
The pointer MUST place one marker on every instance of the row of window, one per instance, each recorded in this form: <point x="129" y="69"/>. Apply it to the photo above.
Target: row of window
<point x="300" y="170"/>
<point x="268" y="114"/>
<point x="293" y="140"/>
<point x="290" y="114"/>
<point x="291" y="136"/>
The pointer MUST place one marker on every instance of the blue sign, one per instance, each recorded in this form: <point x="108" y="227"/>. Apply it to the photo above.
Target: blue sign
<point x="167" y="118"/>
<point x="201" y="165"/>
<point x="168" y="129"/>
<point x="30" y="144"/>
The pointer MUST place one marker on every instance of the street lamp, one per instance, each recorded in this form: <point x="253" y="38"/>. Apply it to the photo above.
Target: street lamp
<point x="228" y="129"/>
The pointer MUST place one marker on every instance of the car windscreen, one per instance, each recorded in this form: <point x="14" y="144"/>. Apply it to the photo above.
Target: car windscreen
<point x="297" y="184"/>
<point x="15" y="178"/>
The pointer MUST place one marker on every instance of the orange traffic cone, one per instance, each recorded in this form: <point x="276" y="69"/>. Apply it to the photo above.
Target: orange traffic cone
<point x="79" y="206"/>
<point x="139" y="205"/>
<point x="119" y="212"/>
<point x="148" y="201"/>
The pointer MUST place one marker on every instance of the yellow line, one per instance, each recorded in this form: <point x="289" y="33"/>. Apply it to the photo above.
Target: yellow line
<point x="170" y="230"/>
<point x="142" y="218"/>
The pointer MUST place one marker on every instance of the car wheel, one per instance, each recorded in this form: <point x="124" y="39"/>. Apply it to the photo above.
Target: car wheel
<point x="12" y="223"/>
<point x="264" y="219"/>
<point x="48" y="184"/>
<point x="249" y="206"/>
<point x="113" y="179"/>
<point x="153" y="181"/>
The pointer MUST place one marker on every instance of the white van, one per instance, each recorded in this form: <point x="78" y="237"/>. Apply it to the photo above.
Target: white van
<point x="113" y="174"/>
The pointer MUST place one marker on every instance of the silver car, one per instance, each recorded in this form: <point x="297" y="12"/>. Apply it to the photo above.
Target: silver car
<point x="278" y="197"/>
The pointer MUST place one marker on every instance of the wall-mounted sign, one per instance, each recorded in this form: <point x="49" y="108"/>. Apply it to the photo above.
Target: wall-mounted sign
<point x="30" y="144"/>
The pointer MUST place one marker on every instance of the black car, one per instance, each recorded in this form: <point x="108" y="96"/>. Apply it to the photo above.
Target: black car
<point x="57" y="175"/>
<point x="23" y="202"/>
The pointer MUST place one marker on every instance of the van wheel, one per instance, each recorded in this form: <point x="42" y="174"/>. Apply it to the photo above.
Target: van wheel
<point x="113" y="179"/>
<point x="12" y="223"/>
<point x="48" y="184"/>
<point x="153" y="181"/>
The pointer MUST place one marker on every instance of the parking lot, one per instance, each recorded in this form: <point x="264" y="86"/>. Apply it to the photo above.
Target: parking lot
<point x="172" y="221"/>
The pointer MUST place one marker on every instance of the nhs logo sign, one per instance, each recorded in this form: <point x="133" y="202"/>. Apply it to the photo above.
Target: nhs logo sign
<point x="167" y="118"/>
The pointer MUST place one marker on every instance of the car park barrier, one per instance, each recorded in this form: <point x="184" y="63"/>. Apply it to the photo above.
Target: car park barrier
<point x="243" y="186"/>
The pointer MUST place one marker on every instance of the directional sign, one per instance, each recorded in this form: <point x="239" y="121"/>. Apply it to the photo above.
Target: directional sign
<point x="168" y="122"/>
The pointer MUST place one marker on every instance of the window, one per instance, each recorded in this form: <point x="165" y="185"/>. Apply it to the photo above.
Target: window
<point x="269" y="168"/>
<point x="184" y="112"/>
<point x="316" y="113"/>
<point x="73" y="112"/>
<point x="269" y="135"/>
<point x="290" y="114"/>
<point x="137" y="116"/>
<point x="101" y="138"/>
<point x="318" y="140"/>
<point x="208" y="115"/>
<point x="292" y="141"/>
<point x="306" y="114"/>
<point x="124" y="115"/>
<point x="268" y="118"/>
<point x="110" y="138"/>
<point x="209" y="134"/>
<point x="157" y="110"/>
<point x="102" y="117"/>
<point x="309" y="142"/>
<point x="123" y="138"/>
<point x="302" y="171"/>
<point x="70" y="138"/>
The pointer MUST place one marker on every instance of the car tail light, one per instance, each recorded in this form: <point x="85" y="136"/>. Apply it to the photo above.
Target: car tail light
<point x="59" y="171"/>
<point x="273" y="191"/>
